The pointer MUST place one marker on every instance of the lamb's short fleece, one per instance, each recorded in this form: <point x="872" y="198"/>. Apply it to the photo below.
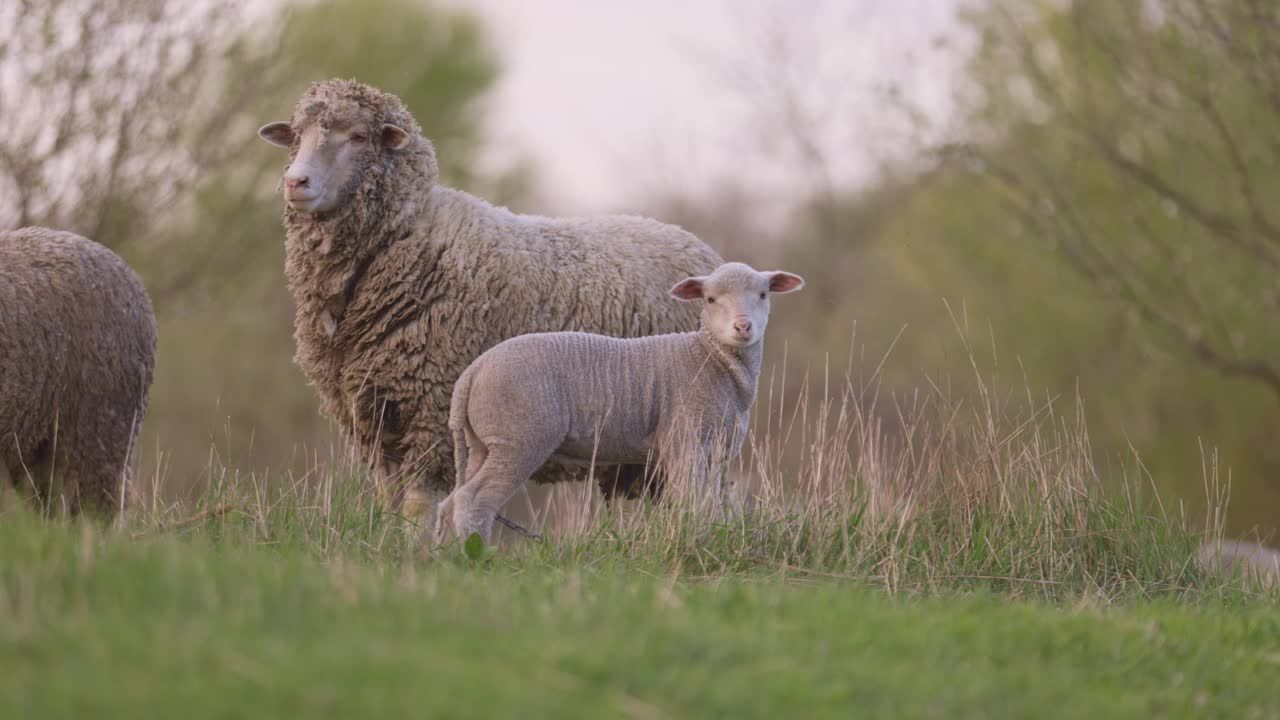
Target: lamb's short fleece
<point x="577" y="398"/>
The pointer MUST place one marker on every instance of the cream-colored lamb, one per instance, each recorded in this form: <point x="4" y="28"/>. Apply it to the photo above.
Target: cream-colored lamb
<point x="577" y="399"/>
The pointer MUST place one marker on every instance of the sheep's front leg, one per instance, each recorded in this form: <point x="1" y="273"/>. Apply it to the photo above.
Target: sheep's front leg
<point x="388" y="480"/>
<point x="422" y="501"/>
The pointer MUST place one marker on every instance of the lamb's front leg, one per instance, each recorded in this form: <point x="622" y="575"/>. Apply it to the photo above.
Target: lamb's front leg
<point x="702" y="481"/>
<point x="711" y="481"/>
<point x="725" y="489"/>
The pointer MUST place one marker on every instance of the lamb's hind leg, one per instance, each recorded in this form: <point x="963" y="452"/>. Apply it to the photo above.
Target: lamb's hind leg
<point x="504" y="468"/>
<point x="445" y="509"/>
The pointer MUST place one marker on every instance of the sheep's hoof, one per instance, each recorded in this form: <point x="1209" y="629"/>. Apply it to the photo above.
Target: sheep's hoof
<point x="416" y="506"/>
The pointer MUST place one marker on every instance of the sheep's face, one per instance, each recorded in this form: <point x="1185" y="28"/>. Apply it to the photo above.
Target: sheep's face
<point x="735" y="300"/>
<point x="329" y="159"/>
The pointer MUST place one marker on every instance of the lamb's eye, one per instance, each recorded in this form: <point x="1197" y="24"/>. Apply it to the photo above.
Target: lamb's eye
<point x="761" y="296"/>
<point x="711" y="300"/>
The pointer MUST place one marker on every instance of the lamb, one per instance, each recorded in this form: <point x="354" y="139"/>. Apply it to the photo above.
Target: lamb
<point x="578" y="398"/>
<point x="77" y="350"/>
<point x="399" y="282"/>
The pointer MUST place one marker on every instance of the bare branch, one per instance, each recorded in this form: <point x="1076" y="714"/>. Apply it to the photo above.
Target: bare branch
<point x="112" y="112"/>
<point x="1221" y="224"/>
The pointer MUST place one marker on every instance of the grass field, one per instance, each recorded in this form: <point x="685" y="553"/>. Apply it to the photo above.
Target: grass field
<point x="216" y="621"/>
<point x="971" y="569"/>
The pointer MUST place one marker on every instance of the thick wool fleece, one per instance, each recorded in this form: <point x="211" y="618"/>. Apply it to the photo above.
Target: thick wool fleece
<point x="77" y="350"/>
<point x="404" y="284"/>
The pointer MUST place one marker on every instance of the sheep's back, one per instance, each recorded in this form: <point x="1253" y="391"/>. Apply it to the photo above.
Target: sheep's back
<point x="620" y="280"/>
<point x="76" y="330"/>
<point x="483" y="274"/>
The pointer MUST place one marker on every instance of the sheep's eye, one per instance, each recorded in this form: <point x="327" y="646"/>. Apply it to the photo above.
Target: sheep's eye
<point x="761" y="296"/>
<point x="711" y="300"/>
<point x="359" y="137"/>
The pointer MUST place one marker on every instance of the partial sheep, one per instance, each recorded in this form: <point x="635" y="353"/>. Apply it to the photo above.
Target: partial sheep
<point x="581" y="399"/>
<point x="400" y="283"/>
<point x="1249" y="559"/>
<point x="77" y="350"/>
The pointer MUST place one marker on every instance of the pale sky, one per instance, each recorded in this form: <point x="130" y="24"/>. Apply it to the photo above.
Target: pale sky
<point x="613" y="99"/>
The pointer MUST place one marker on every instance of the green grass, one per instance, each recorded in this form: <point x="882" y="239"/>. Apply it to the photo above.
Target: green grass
<point x="972" y="567"/>
<point x="99" y="623"/>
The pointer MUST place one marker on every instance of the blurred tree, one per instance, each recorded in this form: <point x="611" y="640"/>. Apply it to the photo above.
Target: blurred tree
<point x="1099" y="229"/>
<point x="1106" y="215"/>
<point x="110" y="113"/>
<point x="438" y="61"/>
<point x="1141" y="139"/>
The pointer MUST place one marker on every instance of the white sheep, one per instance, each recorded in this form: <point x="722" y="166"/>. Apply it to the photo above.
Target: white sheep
<point x="578" y="399"/>
<point x="400" y="283"/>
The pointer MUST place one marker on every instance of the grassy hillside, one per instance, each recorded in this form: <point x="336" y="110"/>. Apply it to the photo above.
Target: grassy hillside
<point x="975" y="567"/>
<point x="183" y="624"/>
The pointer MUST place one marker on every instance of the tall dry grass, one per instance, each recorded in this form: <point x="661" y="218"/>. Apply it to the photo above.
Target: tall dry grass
<point x="928" y="491"/>
<point x="931" y="491"/>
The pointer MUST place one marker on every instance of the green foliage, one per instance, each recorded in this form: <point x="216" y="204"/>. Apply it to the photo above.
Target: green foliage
<point x="1129" y="143"/>
<point x="474" y="547"/>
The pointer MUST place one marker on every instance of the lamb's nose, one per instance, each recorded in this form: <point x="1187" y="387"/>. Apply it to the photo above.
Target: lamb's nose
<point x="297" y="182"/>
<point x="742" y="326"/>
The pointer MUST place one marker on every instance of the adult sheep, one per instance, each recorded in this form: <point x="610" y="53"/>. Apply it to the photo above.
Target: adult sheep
<point x="399" y="282"/>
<point x="77" y="350"/>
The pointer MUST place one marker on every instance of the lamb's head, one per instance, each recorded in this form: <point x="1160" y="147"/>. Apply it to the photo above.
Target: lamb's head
<point x="343" y="136"/>
<point x="735" y="300"/>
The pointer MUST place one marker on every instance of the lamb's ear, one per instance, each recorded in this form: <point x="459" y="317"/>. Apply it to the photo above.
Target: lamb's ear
<point x="688" y="288"/>
<point x="784" y="282"/>
<point x="394" y="137"/>
<point x="277" y="133"/>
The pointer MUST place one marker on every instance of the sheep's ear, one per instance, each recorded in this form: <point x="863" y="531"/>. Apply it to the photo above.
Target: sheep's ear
<point x="784" y="282"/>
<point x="277" y="133"/>
<point x="394" y="137"/>
<point x="688" y="288"/>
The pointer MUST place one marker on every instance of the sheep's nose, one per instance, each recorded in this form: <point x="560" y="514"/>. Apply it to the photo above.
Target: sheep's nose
<point x="294" y="183"/>
<point x="743" y="327"/>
